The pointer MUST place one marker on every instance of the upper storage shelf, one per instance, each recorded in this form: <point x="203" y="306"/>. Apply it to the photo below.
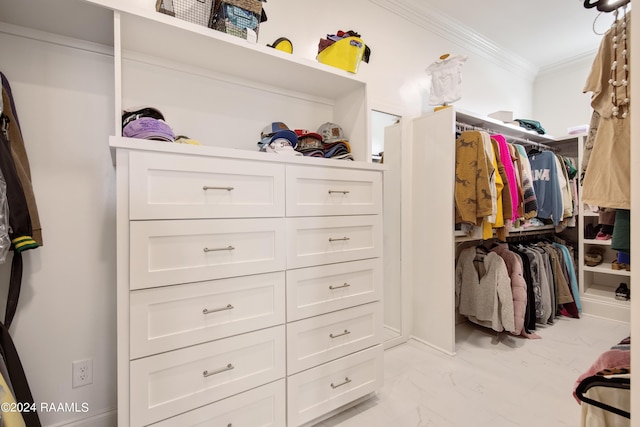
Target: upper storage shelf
<point x="498" y="126"/>
<point x="163" y="36"/>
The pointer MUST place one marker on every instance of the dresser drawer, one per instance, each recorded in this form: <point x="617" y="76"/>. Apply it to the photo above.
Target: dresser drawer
<point x="322" y="389"/>
<point x="325" y="240"/>
<point x="318" y="290"/>
<point x="263" y="406"/>
<point x="171" y="252"/>
<point x="170" y="383"/>
<point x="168" y="186"/>
<point x="319" y="339"/>
<point x="317" y="191"/>
<point x="171" y="317"/>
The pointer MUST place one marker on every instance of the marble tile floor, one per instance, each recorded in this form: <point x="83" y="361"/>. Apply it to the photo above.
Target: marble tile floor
<point x="492" y="381"/>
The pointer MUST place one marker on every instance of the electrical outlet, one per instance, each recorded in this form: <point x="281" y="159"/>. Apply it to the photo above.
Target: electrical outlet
<point x="82" y="373"/>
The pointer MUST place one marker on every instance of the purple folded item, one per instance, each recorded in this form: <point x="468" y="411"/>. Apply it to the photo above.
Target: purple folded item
<point x="149" y="128"/>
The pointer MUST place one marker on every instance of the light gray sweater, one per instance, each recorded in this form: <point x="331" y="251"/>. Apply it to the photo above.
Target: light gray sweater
<point x="484" y="296"/>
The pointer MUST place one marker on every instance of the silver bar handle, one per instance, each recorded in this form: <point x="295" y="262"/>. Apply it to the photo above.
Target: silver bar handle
<point x="339" y="191"/>
<point x="346" y="381"/>
<point x="331" y="239"/>
<point x="207" y="187"/>
<point x="346" y="285"/>
<point x="218" y="371"/>
<point x="215" y="310"/>
<point x="228" y="248"/>
<point x="346" y="332"/>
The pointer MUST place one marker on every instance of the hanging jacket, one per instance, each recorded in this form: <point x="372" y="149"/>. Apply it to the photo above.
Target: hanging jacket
<point x="505" y="157"/>
<point x="21" y="235"/>
<point x="20" y="160"/>
<point x="471" y="192"/>
<point x="484" y="296"/>
<point x="518" y="284"/>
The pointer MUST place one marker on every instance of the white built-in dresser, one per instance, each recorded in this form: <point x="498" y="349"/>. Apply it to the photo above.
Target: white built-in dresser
<point x="249" y="284"/>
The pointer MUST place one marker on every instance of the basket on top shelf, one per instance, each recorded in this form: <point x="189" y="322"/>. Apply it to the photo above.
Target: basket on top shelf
<point x="233" y="17"/>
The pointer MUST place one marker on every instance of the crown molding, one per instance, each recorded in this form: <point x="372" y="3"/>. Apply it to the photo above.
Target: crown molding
<point x="583" y="59"/>
<point x="454" y="31"/>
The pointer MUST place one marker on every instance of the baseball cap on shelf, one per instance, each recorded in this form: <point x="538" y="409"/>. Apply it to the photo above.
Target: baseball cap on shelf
<point x="279" y="146"/>
<point x="308" y="140"/>
<point x="331" y="132"/>
<point x="149" y="128"/>
<point x="277" y="130"/>
<point x="129" y="116"/>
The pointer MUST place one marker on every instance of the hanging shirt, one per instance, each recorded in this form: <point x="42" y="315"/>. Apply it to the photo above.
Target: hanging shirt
<point x="546" y="185"/>
<point x="529" y="196"/>
<point x="446" y="80"/>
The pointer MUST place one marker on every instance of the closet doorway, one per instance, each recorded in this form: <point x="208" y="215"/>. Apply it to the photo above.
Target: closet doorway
<point x="389" y="152"/>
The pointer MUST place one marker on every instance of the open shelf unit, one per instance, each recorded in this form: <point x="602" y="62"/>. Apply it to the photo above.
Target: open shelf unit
<point x="598" y="283"/>
<point x="222" y="90"/>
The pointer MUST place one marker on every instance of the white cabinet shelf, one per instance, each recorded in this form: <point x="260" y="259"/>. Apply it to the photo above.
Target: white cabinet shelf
<point x="605" y="269"/>
<point x="162" y="36"/>
<point x="597" y="242"/>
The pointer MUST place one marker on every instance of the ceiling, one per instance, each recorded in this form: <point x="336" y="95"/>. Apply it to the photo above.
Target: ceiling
<point x="543" y="32"/>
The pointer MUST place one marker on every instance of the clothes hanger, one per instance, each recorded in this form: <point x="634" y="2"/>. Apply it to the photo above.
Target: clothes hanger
<point x="610" y="6"/>
<point x="599" y="381"/>
<point x="605" y="5"/>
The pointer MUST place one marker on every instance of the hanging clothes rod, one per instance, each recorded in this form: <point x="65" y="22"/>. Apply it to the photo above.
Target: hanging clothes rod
<point x="465" y="126"/>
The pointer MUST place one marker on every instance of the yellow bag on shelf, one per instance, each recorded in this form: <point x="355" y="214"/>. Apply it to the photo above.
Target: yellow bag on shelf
<point x="345" y="54"/>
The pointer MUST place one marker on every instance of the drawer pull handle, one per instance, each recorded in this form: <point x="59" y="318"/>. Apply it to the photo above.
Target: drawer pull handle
<point x="218" y="371"/>
<point x="346" y="381"/>
<point x="346" y="285"/>
<point x="346" y="332"/>
<point x="206" y="187"/>
<point x="215" y="310"/>
<point x="339" y="191"/>
<point x="228" y="248"/>
<point x="331" y="239"/>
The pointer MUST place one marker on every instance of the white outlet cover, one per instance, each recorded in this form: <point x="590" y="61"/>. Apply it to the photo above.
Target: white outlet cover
<point x="82" y="373"/>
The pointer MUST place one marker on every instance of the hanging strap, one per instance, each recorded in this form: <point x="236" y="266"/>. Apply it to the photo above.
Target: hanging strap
<point x="17" y="376"/>
<point x="15" y="283"/>
<point x="20" y="224"/>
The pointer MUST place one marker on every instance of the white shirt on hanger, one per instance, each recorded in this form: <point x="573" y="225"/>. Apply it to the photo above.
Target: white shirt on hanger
<point x="446" y="79"/>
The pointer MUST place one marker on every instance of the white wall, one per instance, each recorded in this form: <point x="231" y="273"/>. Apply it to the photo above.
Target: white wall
<point x="559" y="102"/>
<point x="64" y="97"/>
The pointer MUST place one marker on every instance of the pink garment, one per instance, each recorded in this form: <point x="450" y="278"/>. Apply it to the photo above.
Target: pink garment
<point x="518" y="284"/>
<point x="610" y="359"/>
<point x="505" y="158"/>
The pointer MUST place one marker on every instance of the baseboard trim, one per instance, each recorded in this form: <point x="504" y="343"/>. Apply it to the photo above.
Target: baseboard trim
<point x="107" y="418"/>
